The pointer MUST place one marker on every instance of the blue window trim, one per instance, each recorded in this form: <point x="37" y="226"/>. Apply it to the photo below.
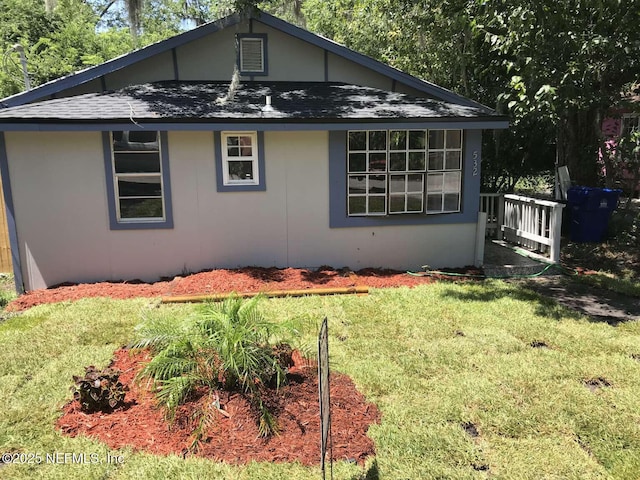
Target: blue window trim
<point x="338" y="217"/>
<point x="260" y="187"/>
<point x="166" y="189"/>
<point x="11" y="216"/>
<point x="265" y="54"/>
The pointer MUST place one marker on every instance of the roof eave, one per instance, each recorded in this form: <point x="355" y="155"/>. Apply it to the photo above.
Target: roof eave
<point x="34" y="124"/>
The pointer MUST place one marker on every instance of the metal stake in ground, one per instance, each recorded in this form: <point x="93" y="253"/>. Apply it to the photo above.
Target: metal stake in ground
<point x="325" y="401"/>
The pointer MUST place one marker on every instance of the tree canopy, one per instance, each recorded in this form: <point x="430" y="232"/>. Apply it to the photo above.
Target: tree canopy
<point x="569" y="62"/>
<point x="555" y="67"/>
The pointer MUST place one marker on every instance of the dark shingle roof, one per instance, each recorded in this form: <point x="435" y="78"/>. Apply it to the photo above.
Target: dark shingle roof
<point x="201" y="102"/>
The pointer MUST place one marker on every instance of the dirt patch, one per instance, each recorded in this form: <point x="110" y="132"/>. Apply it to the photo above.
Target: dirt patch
<point x="243" y="280"/>
<point x="602" y="305"/>
<point x="619" y="253"/>
<point x="594" y="384"/>
<point x="233" y="439"/>
<point x="470" y="429"/>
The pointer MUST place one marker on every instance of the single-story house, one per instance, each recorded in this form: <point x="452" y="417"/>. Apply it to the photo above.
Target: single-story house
<point x="163" y="161"/>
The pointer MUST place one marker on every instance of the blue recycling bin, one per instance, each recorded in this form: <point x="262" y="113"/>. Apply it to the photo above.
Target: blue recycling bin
<point x="591" y="209"/>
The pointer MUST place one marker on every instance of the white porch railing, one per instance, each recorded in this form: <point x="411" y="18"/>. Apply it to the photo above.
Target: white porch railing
<point x="493" y="205"/>
<point x="529" y="222"/>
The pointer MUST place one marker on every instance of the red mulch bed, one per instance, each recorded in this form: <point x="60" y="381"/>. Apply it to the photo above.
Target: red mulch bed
<point x="141" y="425"/>
<point x="244" y="280"/>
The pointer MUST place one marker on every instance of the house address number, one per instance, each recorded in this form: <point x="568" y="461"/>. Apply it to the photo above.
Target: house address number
<point x="475" y="163"/>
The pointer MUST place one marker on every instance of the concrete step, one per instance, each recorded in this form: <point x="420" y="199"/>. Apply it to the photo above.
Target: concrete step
<point x="502" y="259"/>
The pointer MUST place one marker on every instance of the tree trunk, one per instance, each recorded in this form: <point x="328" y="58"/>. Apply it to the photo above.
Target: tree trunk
<point x="577" y="146"/>
<point x="603" y="152"/>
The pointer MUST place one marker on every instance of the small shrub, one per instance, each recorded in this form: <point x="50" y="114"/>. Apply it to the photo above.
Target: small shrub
<point x="99" y="390"/>
<point x="227" y="346"/>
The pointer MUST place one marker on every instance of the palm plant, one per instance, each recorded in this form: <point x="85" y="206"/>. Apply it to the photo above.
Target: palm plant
<point x="228" y="345"/>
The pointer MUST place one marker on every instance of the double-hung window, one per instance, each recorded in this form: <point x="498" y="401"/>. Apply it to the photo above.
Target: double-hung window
<point x="138" y="184"/>
<point x="240" y="158"/>
<point x="394" y="172"/>
<point x="444" y="171"/>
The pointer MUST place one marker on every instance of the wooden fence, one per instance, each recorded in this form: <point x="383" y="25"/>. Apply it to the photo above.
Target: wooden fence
<point x="5" y="248"/>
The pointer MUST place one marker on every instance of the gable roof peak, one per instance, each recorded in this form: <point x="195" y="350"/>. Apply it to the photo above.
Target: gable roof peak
<point x="78" y="78"/>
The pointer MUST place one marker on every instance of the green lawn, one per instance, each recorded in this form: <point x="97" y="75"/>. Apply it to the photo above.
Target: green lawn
<point x="463" y="392"/>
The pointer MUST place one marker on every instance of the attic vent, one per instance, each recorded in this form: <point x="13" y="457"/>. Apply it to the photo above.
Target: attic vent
<point x="252" y="55"/>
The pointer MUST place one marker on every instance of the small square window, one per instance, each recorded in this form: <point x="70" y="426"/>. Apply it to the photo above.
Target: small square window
<point x="240" y="158"/>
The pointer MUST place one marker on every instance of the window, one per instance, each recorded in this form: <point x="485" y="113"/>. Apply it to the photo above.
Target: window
<point x="240" y="158"/>
<point x="137" y="175"/>
<point x="252" y="56"/>
<point x="630" y="123"/>
<point x="444" y="171"/>
<point x="138" y="183"/>
<point x="403" y="171"/>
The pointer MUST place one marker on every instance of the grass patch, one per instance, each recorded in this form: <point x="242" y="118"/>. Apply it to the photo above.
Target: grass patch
<point x="473" y="380"/>
<point x="7" y="289"/>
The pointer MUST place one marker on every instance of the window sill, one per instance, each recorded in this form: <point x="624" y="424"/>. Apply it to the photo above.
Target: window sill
<point x="240" y="183"/>
<point x="344" y="221"/>
<point x="242" y="187"/>
<point x="142" y="225"/>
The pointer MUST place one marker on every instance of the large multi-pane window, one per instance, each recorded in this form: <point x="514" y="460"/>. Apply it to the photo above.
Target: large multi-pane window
<point x="137" y="171"/>
<point x="403" y="171"/>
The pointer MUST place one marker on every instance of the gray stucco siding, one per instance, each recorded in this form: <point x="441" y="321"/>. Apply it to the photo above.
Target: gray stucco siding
<point x="159" y="67"/>
<point x="290" y="58"/>
<point x="63" y="231"/>
<point x="402" y="88"/>
<point x="91" y="86"/>
<point x="60" y="206"/>
<point x="209" y="58"/>
<point x="342" y="70"/>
